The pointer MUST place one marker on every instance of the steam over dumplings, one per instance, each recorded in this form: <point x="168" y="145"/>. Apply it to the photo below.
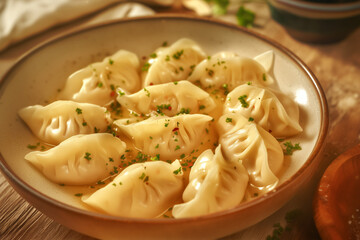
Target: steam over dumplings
<point x="143" y="190"/>
<point x="173" y="63"/>
<point x="169" y="99"/>
<point x="281" y="120"/>
<point x="62" y="119"/>
<point x="215" y="184"/>
<point x="95" y="83"/>
<point x="258" y="150"/>
<point x="223" y="68"/>
<point x="168" y="136"/>
<point x="80" y="160"/>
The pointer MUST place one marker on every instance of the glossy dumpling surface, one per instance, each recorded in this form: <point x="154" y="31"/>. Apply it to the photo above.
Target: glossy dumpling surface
<point x="258" y="150"/>
<point x="281" y="119"/>
<point x="142" y="190"/>
<point x="173" y="63"/>
<point x="225" y="68"/>
<point x="80" y="160"/>
<point x="215" y="184"/>
<point x="97" y="82"/>
<point x="168" y="136"/>
<point x="60" y="120"/>
<point x="169" y="99"/>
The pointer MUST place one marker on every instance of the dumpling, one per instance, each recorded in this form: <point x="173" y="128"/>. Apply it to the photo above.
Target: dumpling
<point x="81" y="159"/>
<point x="280" y="118"/>
<point x="258" y="150"/>
<point x="227" y="69"/>
<point x="98" y="82"/>
<point x="62" y="119"/>
<point x="169" y="99"/>
<point x="266" y="59"/>
<point x="168" y="136"/>
<point x="173" y="63"/>
<point x="215" y="184"/>
<point x="142" y="190"/>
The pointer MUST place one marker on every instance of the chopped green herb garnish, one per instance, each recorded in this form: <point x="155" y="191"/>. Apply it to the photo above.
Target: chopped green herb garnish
<point x="78" y="194"/>
<point x="157" y="157"/>
<point x="147" y="92"/>
<point x="219" y="7"/>
<point x="100" y="84"/>
<point x="145" y="67"/>
<point x="228" y="120"/>
<point x="142" y="176"/>
<point x="177" y="171"/>
<point x="226" y="89"/>
<point x="153" y="55"/>
<point x="87" y="156"/>
<point x="210" y="72"/>
<point x="161" y="107"/>
<point x="146" y="179"/>
<point x="178" y="54"/>
<point x="78" y="111"/>
<point x="264" y="77"/>
<point x="177" y="147"/>
<point x="184" y="111"/>
<point x="243" y="102"/>
<point x="245" y="17"/>
<point x="290" y="148"/>
<point x="32" y="146"/>
<point x="84" y="124"/>
<point x="164" y="44"/>
<point x="251" y="119"/>
<point x="111" y="62"/>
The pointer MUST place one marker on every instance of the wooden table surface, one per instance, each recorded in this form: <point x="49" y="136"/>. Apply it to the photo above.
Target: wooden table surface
<point x="337" y="66"/>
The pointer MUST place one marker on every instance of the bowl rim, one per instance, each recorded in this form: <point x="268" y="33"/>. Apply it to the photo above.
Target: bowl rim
<point x="321" y="7"/>
<point x="324" y="118"/>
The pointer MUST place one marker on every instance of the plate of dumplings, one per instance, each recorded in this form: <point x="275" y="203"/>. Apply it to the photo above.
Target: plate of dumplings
<point x="161" y="127"/>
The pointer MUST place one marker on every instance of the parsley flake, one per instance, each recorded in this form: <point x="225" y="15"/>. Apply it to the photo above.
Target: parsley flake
<point x="243" y="102"/>
<point x="78" y="110"/>
<point x="178" y="54"/>
<point x="87" y="156"/>
<point x="290" y="148"/>
<point x="177" y="171"/>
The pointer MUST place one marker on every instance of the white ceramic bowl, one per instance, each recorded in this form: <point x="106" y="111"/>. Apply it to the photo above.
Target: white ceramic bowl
<point x="37" y="76"/>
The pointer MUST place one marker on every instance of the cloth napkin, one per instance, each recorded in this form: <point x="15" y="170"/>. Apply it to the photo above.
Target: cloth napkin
<point x="20" y="19"/>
